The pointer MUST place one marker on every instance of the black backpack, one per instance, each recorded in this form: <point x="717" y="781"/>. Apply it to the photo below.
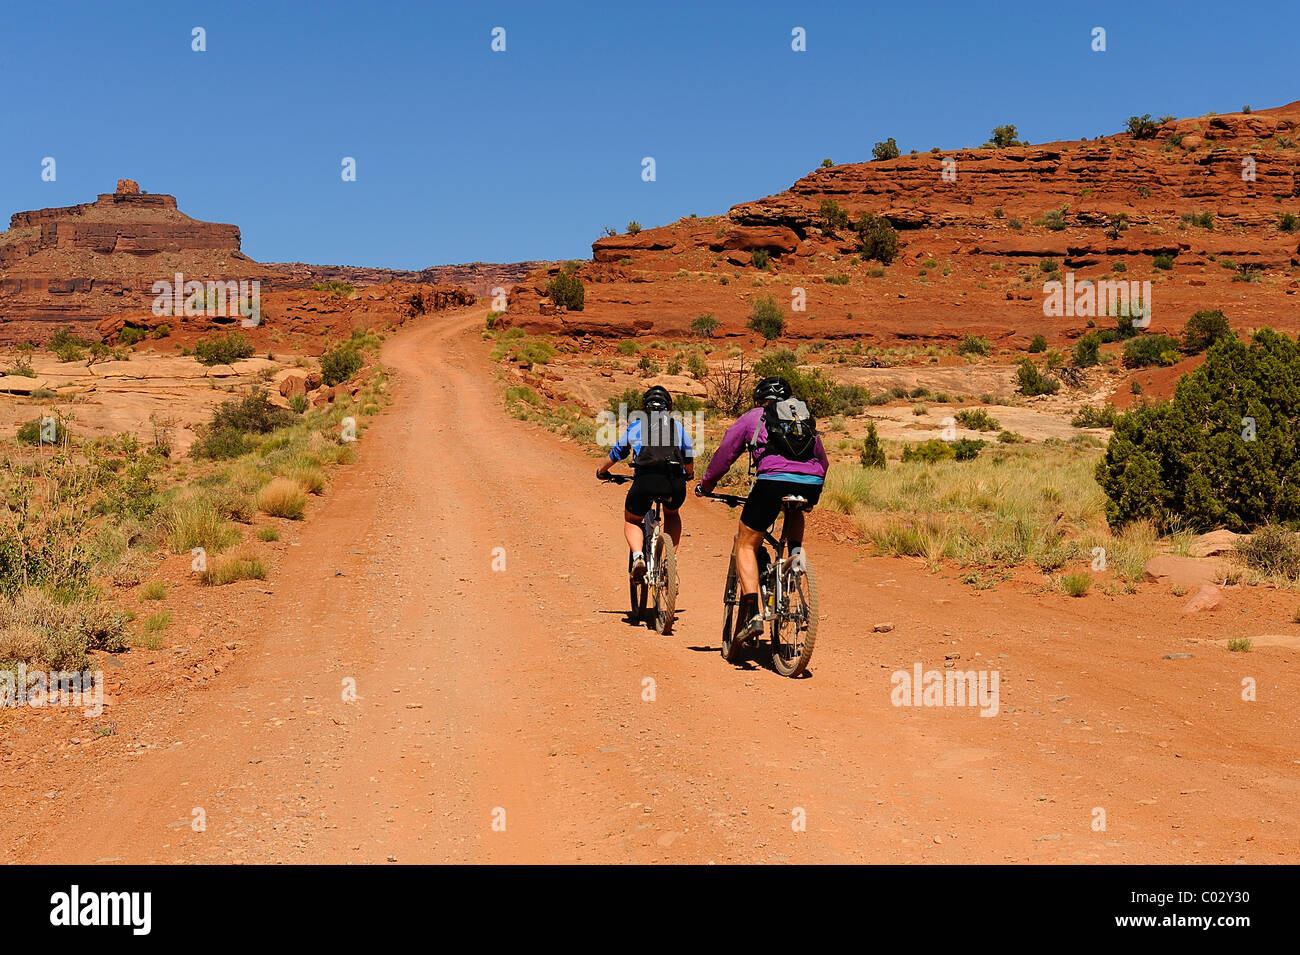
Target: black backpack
<point x="660" y="442"/>
<point x="791" y="431"/>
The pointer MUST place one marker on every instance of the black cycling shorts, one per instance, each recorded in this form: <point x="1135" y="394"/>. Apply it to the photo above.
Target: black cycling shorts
<point x="764" y="501"/>
<point x="649" y="486"/>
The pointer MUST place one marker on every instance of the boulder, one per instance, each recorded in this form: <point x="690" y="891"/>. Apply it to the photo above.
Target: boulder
<point x="293" y="384"/>
<point x="20" y="384"/>
<point x="1207" y="597"/>
<point x="1185" y="572"/>
<point x="1215" y="542"/>
<point x="773" y="238"/>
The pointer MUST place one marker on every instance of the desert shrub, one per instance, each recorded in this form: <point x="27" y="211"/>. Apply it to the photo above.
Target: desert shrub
<point x="704" y="325"/>
<point x="1087" y="350"/>
<point x="245" y="565"/>
<point x="1004" y="136"/>
<point x="40" y="430"/>
<point x="195" y="521"/>
<point x="340" y="363"/>
<point x="1223" y="452"/>
<point x="1033" y="382"/>
<point x="1142" y="127"/>
<point x="837" y="279"/>
<point x="966" y="449"/>
<point x="633" y="227"/>
<point x="973" y="345"/>
<point x="131" y="335"/>
<point x="1164" y="262"/>
<point x="929" y="451"/>
<point x="1288" y="222"/>
<point x="976" y="419"/>
<point x="567" y="289"/>
<point x="283" y="497"/>
<point x="1094" y="416"/>
<point x="56" y="633"/>
<point x="833" y="216"/>
<point x="1203" y="329"/>
<point x="879" y="239"/>
<point x="1076" y="585"/>
<point x="697" y="366"/>
<point x="766" y="318"/>
<point x="1039" y="344"/>
<point x="224" y="349"/>
<point x="872" y="454"/>
<point x="1146" y="350"/>
<point x="1273" y="551"/>
<point x="760" y="258"/>
<point x="268" y="533"/>
<point x="886" y="150"/>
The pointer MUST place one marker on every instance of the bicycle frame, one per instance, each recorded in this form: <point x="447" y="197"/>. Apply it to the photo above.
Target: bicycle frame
<point x="777" y="568"/>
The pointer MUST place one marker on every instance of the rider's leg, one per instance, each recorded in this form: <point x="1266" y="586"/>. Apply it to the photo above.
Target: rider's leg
<point x="632" y="531"/>
<point x="673" y="525"/>
<point x="747" y="559"/>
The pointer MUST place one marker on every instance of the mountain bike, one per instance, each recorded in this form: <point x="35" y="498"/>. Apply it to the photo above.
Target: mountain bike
<point x="658" y="588"/>
<point x="787" y="597"/>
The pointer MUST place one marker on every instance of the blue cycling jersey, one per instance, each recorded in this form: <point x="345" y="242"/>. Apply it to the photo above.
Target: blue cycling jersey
<point x="629" y="442"/>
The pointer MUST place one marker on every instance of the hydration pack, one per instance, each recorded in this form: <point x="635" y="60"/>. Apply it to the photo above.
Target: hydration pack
<point x="791" y="431"/>
<point x="661" y="443"/>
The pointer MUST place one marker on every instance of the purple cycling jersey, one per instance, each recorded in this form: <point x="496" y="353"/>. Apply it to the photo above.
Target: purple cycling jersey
<point x="737" y="439"/>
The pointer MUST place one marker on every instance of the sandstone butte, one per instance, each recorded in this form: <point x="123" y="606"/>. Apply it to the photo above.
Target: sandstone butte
<point x="975" y="251"/>
<point x="92" y="266"/>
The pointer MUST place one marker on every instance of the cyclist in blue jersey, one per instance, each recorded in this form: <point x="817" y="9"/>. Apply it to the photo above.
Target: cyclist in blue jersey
<point x="662" y="462"/>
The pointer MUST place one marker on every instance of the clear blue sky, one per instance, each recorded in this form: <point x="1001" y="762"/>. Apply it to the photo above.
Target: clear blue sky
<point x="464" y="154"/>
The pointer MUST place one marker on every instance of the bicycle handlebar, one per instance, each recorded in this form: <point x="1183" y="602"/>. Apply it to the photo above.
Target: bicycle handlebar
<point x="616" y="478"/>
<point x="731" y="499"/>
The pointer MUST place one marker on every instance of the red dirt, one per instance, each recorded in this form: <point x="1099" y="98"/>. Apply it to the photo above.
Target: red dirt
<point x="523" y="689"/>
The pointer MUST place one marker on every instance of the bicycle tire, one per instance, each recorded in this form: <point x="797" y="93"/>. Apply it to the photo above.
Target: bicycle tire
<point x="665" y="590"/>
<point x="730" y="615"/>
<point x="794" y="661"/>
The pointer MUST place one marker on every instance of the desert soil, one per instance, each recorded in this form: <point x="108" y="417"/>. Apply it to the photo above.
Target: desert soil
<point x="523" y="689"/>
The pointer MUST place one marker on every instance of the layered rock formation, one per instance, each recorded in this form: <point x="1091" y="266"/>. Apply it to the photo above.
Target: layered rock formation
<point x="479" y="277"/>
<point x="979" y="232"/>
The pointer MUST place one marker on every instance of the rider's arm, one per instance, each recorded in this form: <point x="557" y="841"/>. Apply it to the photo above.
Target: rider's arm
<point x="733" y="443"/>
<point x="621" y="449"/>
<point x="820" y="453"/>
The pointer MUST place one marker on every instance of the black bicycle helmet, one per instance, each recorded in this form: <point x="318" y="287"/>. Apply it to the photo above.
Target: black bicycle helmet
<point x="657" y="398"/>
<point x="770" y="389"/>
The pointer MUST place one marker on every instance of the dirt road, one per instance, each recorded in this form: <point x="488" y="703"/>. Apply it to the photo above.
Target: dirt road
<point x="502" y="715"/>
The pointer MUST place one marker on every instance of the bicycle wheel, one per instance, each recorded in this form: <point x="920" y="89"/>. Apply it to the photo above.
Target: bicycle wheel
<point x="730" y="615"/>
<point x="794" y="626"/>
<point x="636" y="593"/>
<point x="664" y="587"/>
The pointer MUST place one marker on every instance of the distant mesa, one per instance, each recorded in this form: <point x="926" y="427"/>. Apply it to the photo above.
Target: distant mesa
<point x="78" y="264"/>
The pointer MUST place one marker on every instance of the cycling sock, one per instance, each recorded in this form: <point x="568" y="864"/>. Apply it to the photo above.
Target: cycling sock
<point x="637" y="555"/>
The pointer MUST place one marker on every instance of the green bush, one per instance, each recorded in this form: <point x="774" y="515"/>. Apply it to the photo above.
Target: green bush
<point x="976" y="419"/>
<point x="223" y="350"/>
<point x="1142" y="127"/>
<point x="697" y="366"/>
<point x="879" y="239"/>
<point x="967" y="449"/>
<point x="131" y="335"/>
<point x="1146" y="350"/>
<point x="340" y="363"/>
<point x="1087" y="350"/>
<point x="873" y="453"/>
<point x="1004" y="136"/>
<point x="760" y="258"/>
<point x="1194" y="462"/>
<point x="1203" y="329"/>
<point x="929" y="451"/>
<point x="1272" y="550"/>
<point x="833" y="217"/>
<point x="766" y="318"/>
<point x="1039" y="344"/>
<point x="1289" y="222"/>
<point x="886" y="150"/>
<point x="31" y="432"/>
<point x="972" y="345"/>
<point x="633" y="227"/>
<point x="1033" y="382"/>
<point x="704" y="325"/>
<point x="1163" y="262"/>
<point x="1092" y="416"/>
<point x="567" y="289"/>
